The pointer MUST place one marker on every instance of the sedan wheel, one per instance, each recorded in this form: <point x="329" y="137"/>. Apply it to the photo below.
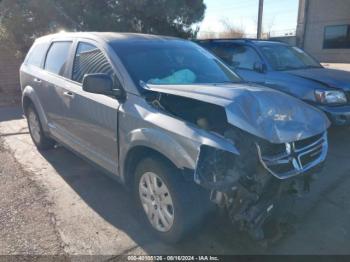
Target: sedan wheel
<point x="156" y="201"/>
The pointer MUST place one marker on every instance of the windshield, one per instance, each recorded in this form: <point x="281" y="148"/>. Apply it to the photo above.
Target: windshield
<point x="172" y="62"/>
<point x="282" y="57"/>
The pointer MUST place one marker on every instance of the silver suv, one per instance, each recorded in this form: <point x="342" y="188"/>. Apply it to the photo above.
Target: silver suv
<point x="172" y="123"/>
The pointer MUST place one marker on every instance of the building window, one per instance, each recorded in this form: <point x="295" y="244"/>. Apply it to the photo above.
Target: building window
<point x="337" y="36"/>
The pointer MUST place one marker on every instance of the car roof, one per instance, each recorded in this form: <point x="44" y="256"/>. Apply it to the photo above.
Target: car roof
<point x="106" y="36"/>
<point x="253" y="41"/>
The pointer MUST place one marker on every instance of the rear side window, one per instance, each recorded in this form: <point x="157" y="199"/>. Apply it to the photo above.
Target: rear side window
<point x="37" y="54"/>
<point x="57" y="57"/>
<point x="89" y="60"/>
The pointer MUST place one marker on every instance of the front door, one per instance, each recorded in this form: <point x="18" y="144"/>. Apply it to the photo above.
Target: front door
<point x="244" y="58"/>
<point x="92" y="118"/>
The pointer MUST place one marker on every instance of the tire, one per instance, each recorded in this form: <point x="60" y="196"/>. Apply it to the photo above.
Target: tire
<point x="184" y="201"/>
<point x="41" y="141"/>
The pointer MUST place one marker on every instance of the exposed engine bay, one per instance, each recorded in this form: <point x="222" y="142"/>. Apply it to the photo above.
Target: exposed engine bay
<point x="249" y="186"/>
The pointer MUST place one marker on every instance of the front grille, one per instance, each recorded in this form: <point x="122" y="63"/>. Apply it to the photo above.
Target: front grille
<point x="305" y="142"/>
<point x="295" y="158"/>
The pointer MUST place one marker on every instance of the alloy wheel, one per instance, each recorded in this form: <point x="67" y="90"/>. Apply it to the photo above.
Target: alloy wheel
<point x="156" y="201"/>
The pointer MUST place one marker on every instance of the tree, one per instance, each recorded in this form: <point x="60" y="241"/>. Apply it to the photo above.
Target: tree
<point x="147" y="16"/>
<point x="229" y="31"/>
<point x="24" y="20"/>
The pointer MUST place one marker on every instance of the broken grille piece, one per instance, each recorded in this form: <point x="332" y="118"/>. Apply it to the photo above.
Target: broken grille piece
<point x="291" y="159"/>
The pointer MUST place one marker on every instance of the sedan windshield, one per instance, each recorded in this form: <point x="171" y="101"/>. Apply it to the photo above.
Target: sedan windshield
<point x="171" y="62"/>
<point x="282" y="57"/>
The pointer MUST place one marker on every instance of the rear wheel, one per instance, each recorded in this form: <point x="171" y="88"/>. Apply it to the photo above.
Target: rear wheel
<point x="39" y="138"/>
<point x="171" y="206"/>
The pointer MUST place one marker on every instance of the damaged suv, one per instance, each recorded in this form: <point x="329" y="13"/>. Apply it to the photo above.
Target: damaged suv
<point x="174" y="124"/>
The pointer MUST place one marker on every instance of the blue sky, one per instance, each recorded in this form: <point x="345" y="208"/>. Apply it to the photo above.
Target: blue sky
<point x="280" y="16"/>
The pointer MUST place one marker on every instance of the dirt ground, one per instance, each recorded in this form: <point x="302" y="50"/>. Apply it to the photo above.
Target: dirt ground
<point x="26" y="224"/>
<point x="56" y="203"/>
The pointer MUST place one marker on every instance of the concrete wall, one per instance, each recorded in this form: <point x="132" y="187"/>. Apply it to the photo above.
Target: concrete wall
<point x="9" y="77"/>
<point x="321" y="13"/>
<point x="291" y="40"/>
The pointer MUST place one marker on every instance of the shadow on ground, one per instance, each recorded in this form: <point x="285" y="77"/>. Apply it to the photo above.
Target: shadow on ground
<point x="11" y="113"/>
<point x="114" y="203"/>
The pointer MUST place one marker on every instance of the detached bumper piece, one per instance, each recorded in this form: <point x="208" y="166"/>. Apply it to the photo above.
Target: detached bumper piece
<point x="214" y="169"/>
<point x="291" y="159"/>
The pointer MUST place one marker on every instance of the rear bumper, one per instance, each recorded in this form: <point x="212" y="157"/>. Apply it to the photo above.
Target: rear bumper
<point x="338" y="115"/>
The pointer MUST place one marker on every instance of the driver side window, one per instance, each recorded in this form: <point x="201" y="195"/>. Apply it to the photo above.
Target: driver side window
<point x="89" y="60"/>
<point x="244" y="57"/>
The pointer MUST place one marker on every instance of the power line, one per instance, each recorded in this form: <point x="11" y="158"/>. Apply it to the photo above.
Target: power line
<point x="245" y="5"/>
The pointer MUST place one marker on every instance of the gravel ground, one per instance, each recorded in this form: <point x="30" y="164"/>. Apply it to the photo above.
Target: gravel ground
<point x="23" y="210"/>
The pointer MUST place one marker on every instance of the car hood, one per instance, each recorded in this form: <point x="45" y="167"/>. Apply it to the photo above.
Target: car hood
<point x="329" y="77"/>
<point x="261" y="111"/>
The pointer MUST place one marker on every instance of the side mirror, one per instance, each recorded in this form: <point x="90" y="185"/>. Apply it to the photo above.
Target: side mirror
<point x="100" y="84"/>
<point x="259" y="67"/>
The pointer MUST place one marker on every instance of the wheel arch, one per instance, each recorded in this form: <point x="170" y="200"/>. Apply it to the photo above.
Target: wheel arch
<point x="135" y="155"/>
<point x="29" y="97"/>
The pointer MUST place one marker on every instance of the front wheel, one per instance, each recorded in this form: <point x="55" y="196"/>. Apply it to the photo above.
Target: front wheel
<point x="170" y="205"/>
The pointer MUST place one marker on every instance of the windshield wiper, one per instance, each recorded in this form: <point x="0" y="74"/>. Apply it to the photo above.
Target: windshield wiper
<point x="289" y="68"/>
<point x="229" y="82"/>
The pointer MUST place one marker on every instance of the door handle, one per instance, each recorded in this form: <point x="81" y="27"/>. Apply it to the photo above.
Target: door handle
<point x="37" y="80"/>
<point x="69" y="94"/>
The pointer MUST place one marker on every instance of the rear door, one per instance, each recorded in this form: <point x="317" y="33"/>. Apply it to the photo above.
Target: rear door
<point x="53" y="82"/>
<point x="32" y="72"/>
<point x="92" y="119"/>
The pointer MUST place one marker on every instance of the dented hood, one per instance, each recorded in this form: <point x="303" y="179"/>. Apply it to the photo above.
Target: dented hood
<point x="261" y="111"/>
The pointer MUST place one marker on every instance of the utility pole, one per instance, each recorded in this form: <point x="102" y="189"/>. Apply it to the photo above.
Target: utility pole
<point x="302" y="22"/>
<point x="260" y="15"/>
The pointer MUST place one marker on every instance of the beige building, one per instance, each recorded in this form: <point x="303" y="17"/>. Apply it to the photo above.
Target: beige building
<point x="323" y="29"/>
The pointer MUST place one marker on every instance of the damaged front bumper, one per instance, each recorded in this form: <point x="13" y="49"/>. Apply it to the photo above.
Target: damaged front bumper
<point x="251" y="198"/>
<point x="276" y="141"/>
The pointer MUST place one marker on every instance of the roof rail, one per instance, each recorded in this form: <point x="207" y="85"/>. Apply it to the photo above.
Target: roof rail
<point x="236" y="39"/>
<point x="222" y="39"/>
